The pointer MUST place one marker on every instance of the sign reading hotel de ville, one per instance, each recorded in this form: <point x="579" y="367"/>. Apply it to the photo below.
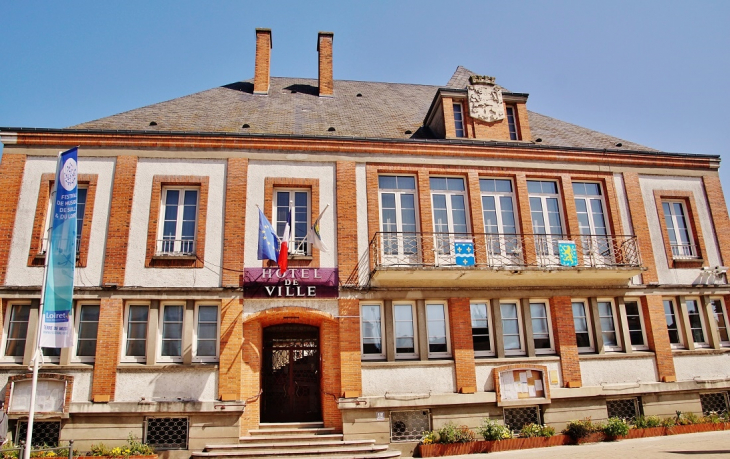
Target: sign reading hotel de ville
<point x="301" y="283"/>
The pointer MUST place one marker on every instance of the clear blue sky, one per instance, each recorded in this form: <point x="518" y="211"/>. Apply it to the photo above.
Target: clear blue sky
<point x="653" y="72"/>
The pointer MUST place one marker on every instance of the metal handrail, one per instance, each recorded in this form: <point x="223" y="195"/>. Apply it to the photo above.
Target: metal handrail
<point x="168" y="246"/>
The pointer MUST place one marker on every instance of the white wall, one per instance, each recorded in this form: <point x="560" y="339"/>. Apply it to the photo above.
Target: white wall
<point x="82" y="386"/>
<point x="689" y="184"/>
<point x="595" y="372"/>
<point x="693" y="366"/>
<point x="19" y="273"/>
<point x="410" y="379"/>
<point x="187" y="383"/>
<point x="363" y="238"/>
<point x="324" y="172"/>
<point x="136" y="274"/>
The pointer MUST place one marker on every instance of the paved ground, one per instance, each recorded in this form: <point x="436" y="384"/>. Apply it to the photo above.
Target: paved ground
<point x="701" y="445"/>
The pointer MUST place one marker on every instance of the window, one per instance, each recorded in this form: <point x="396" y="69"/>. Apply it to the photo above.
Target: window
<point x="607" y="320"/>
<point x="448" y="197"/>
<point x="405" y="331"/>
<point x="678" y="230"/>
<point x="504" y="245"/>
<point x="167" y="433"/>
<point x="624" y="408"/>
<point x="592" y="224"/>
<point x="171" y="332"/>
<point x="696" y="323"/>
<point x="17" y="327"/>
<point x="80" y="211"/>
<point x="541" y="336"/>
<point x="714" y="402"/>
<point x="409" y="425"/>
<point x="87" y="324"/>
<point x="635" y="321"/>
<point x="207" y="331"/>
<point x="511" y="326"/>
<point x="480" y="329"/>
<point x="437" y="327"/>
<point x="458" y="120"/>
<point x="136" y="332"/>
<point x="673" y="327"/>
<point x="512" y="123"/>
<point x="371" y="323"/>
<point x="719" y="314"/>
<point x="398" y="218"/>
<point x="516" y="418"/>
<point x="581" y="320"/>
<point x="178" y="221"/>
<point x="298" y="201"/>
<point x="547" y="222"/>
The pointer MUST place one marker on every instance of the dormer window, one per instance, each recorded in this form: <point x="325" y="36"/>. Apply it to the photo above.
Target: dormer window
<point x="512" y="123"/>
<point x="458" y="120"/>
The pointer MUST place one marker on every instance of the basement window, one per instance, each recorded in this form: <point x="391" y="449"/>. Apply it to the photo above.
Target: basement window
<point x="409" y="425"/>
<point x="167" y="433"/>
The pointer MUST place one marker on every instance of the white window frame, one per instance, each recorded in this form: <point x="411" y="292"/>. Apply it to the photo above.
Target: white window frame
<point x="460" y="103"/>
<point x="400" y="239"/>
<point x="125" y="328"/>
<point x="616" y="324"/>
<point x="77" y="324"/>
<point x="445" y="307"/>
<point x="676" y="232"/>
<point x="551" y="240"/>
<point x="444" y="240"/>
<point x="723" y="309"/>
<point x="514" y="124"/>
<point x="640" y="309"/>
<point x="490" y="327"/>
<point x="700" y="312"/>
<point x="6" y="331"/>
<point x="381" y="355"/>
<point x="161" y="328"/>
<point x="589" y="324"/>
<point x="677" y="312"/>
<point x="295" y="248"/>
<point x="207" y="358"/>
<point x="414" y="323"/>
<point x="520" y="326"/>
<point x="178" y="242"/>
<point x="546" y="304"/>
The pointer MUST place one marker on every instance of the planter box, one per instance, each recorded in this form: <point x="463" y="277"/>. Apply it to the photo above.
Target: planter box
<point x="678" y="430"/>
<point x="595" y="437"/>
<point x="648" y="432"/>
<point x="528" y="443"/>
<point x="452" y="449"/>
<point x="154" y="456"/>
<point x="447" y="449"/>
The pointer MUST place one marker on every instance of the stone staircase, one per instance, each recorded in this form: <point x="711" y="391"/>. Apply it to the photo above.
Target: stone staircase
<point x="300" y="440"/>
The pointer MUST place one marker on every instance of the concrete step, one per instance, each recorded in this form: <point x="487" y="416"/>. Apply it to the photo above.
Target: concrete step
<point x="288" y="438"/>
<point x="288" y="431"/>
<point x="373" y="455"/>
<point x="348" y="451"/>
<point x="268" y="445"/>
<point x="290" y="425"/>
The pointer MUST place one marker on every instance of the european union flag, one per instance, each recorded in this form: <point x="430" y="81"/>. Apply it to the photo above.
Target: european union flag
<point x="268" y="242"/>
<point x="568" y="253"/>
<point x="464" y="253"/>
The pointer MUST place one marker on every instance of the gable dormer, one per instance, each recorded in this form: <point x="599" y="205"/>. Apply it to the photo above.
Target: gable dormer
<point x="482" y="110"/>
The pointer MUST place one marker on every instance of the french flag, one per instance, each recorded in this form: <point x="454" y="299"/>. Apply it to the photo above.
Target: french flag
<point x="283" y="261"/>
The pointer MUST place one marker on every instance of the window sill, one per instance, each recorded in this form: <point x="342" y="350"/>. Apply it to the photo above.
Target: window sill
<point x="141" y="366"/>
<point x="407" y="363"/>
<point x="687" y="263"/>
<point x="49" y="367"/>
<point x="301" y="257"/>
<point x="517" y="359"/>
<point x="617" y="355"/>
<point x="701" y="351"/>
<point x="172" y="256"/>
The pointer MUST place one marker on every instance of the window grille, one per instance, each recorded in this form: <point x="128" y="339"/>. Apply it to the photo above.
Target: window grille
<point x="516" y="418"/>
<point x="625" y="408"/>
<point x="44" y="433"/>
<point x="167" y="433"/>
<point x="716" y="402"/>
<point x="409" y="425"/>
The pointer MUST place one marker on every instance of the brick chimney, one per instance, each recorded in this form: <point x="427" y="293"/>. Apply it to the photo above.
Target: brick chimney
<point x="263" y="61"/>
<point x="324" y="46"/>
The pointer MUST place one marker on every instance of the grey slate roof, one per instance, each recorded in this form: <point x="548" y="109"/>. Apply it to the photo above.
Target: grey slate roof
<point x="293" y="107"/>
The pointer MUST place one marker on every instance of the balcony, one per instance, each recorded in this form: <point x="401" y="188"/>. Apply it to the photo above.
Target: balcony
<point x="170" y="247"/>
<point x="481" y="260"/>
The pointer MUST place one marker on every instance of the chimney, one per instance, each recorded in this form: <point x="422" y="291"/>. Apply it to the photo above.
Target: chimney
<point x="324" y="46"/>
<point x="263" y="61"/>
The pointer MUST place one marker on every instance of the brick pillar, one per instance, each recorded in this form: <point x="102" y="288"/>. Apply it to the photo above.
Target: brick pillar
<point x="449" y="126"/>
<point x="108" y="346"/>
<point x="329" y="348"/>
<point x="719" y="215"/>
<point x="351" y="374"/>
<point x="525" y="218"/>
<point x="477" y="217"/>
<point x="462" y="346"/>
<point x="523" y="122"/>
<point x="425" y="211"/>
<point x="11" y="178"/>
<point x="261" y="76"/>
<point x="656" y="334"/>
<point x="117" y="241"/>
<point x="251" y="375"/>
<point x="229" y="373"/>
<point x="641" y="225"/>
<point x="347" y="250"/>
<point x="561" y="314"/>
<point x="235" y="221"/>
<point x="326" y="78"/>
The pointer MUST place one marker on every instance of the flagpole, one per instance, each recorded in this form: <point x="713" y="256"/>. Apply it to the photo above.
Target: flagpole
<point x="37" y="351"/>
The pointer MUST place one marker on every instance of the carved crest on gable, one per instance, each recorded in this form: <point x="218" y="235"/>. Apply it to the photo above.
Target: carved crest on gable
<point x="485" y="99"/>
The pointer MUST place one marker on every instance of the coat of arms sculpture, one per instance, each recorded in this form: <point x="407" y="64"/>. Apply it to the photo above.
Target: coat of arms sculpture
<point x="485" y="99"/>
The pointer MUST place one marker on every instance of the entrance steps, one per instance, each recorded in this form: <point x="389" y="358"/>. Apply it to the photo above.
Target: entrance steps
<point x="300" y="440"/>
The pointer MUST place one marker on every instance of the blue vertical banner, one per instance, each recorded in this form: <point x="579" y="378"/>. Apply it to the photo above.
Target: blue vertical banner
<point x="56" y="328"/>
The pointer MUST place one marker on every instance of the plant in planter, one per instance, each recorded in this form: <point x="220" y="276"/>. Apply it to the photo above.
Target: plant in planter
<point x="134" y="447"/>
<point x="450" y="433"/>
<point x="615" y="427"/>
<point x="494" y="431"/>
<point x="712" y="418"/>
<point x="584" y="431"/>
<point x="536" y="430"/>
<point x="647" y="422"/>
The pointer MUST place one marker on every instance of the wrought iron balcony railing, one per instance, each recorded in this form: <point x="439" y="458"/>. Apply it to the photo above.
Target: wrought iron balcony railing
<point x="184" y="247"/>
<point x="393" y="250"/>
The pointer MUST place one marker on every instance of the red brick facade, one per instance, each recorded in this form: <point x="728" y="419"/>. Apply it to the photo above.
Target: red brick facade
<point x="11" y="177"/>
<point x="108" y="348"/>
<point x="561" y="314"/>
<point x="462" y="347"/>
<point x="234" y="227"/>
<point x="117" y="241"/>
